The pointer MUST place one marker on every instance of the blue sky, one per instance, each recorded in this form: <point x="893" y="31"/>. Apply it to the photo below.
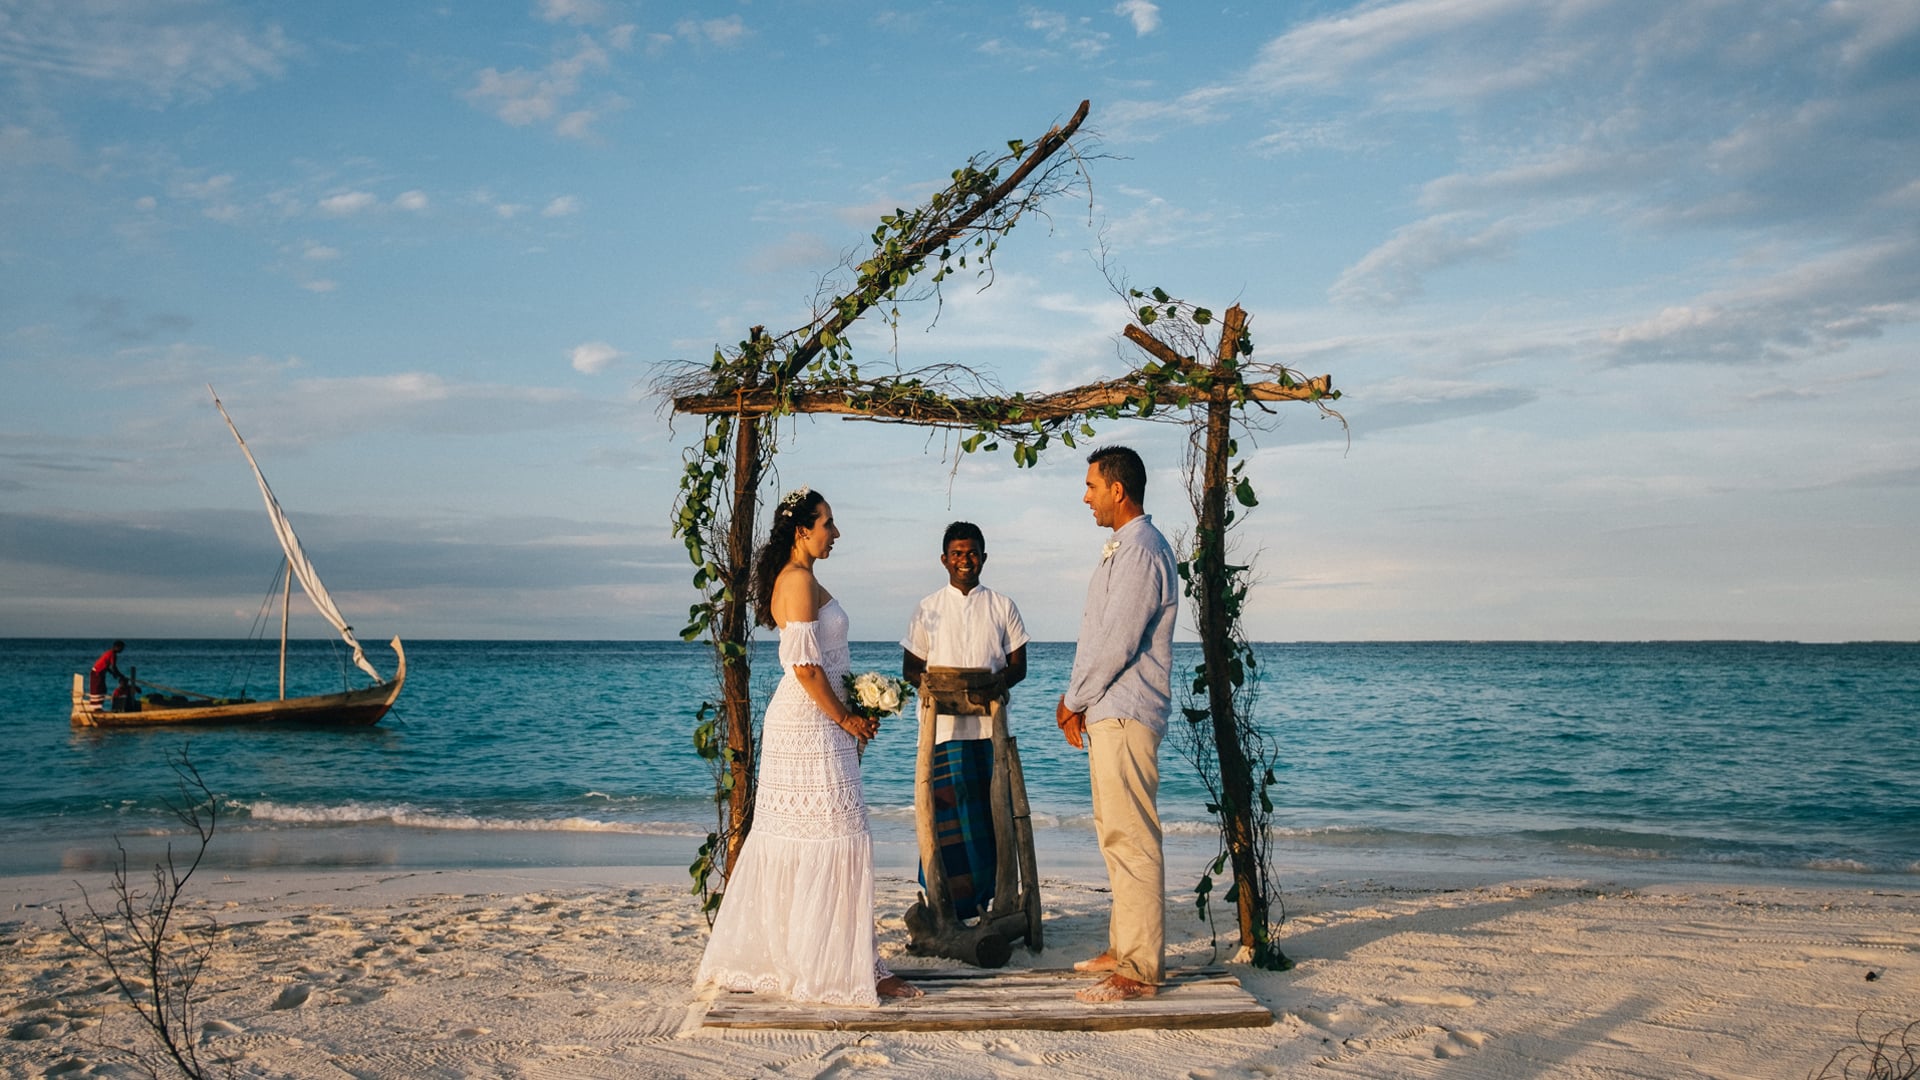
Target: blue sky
<point x="1623" y="297"/>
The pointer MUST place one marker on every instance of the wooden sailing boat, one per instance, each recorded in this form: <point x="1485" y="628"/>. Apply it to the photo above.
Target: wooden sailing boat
<point x="349" y="708"/>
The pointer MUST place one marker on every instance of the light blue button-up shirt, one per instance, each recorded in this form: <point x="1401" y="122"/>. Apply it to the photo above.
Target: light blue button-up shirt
<point x="1123" y="665"/>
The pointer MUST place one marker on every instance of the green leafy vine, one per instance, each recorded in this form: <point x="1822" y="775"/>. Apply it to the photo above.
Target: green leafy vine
<point x="746" y="390"/>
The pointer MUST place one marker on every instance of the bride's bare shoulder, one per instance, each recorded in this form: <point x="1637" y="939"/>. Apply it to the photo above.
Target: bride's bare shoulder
<point x="795" y="596"/>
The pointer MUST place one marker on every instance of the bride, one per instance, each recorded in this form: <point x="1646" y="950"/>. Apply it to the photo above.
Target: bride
<point x="797" y="917"/>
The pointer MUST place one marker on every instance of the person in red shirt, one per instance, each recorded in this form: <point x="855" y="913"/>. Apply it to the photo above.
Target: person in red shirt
<point x="109" y="662"/>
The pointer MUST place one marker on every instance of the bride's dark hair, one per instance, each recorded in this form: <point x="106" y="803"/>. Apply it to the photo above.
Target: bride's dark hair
<point x="796" y="509"/>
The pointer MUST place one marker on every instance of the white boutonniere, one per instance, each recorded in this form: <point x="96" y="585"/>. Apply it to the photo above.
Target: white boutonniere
<point x="1107" y="552"/>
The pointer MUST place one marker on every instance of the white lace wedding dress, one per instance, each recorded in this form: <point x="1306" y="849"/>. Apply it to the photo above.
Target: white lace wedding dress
<point x="797" y="918"/>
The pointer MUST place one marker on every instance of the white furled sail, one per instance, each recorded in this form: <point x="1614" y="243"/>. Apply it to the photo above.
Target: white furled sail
<point x="296" y="558"/>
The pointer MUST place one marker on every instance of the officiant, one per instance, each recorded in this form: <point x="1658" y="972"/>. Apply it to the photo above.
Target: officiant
<point x="965" y="625"/>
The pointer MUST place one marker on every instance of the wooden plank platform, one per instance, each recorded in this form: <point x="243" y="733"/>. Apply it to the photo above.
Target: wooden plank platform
<point x="966" y="999"/>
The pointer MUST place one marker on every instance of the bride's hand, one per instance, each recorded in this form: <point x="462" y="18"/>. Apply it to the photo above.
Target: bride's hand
<point x="860" y="727"/>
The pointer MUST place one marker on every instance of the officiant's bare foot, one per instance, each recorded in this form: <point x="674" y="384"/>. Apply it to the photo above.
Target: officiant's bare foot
<point x="1116" y="988"/>
<point x="1103" y="962"/>
<point x="893" y="986"/>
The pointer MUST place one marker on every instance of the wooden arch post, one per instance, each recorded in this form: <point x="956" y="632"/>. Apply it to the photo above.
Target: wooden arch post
<point x="1216" y="630"/>
<point x="736" y="623"/>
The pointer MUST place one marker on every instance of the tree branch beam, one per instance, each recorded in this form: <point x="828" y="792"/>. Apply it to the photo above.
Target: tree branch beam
<point x="967" y="412"/>
<point x="836" y="324"/>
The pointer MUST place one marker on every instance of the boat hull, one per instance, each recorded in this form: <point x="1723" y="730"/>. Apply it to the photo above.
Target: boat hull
<point x="351" y="708"/>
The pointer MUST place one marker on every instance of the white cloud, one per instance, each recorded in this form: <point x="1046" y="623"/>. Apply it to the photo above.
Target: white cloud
<point x="1153" y="222"/>
<point x="215" y="194"/>
<point x="414" y="201"/>
<point x="796" y="251"/>
<point x="1393" y="272"/>
<point x="503" y="210"/>
<point x="1075" y="34"/>
<point x="564" y="206"/>
<point x="722" y="33"/>
<point x="579" y="12"/>
<point x="347" y="203"/>
<point x="1289" y="138"/>
<point x="307" y="409"/>
<point x="154" y="54"/>
<point x="594" y="357"/>
<point x="399" y="389"/>
<point x="518" y="96"/>
<point x="1143" y="120"/>
<point x="1565" y="172"/>
<point x="727" y="31"/>
<point x="1405" y="401"/>
<point x="210" y="189"/>
<point x="1808" y="306"/>
<point x="1145" y="15"/>
<point x="1658" y="129"/>
<point x="1434" y="36"/>
<point x="21" y="147"/>
<point x="320" y="253"/>
<point x="320" y="285"/>
<point x="521" y="97"/>
<point x="1657" y="112"/>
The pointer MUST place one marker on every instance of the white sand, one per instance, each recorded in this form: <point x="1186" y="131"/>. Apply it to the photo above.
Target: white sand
<point x="585" y="973"/>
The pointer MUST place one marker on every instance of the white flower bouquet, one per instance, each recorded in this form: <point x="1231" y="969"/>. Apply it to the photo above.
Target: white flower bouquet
<point x="877" y="695"/>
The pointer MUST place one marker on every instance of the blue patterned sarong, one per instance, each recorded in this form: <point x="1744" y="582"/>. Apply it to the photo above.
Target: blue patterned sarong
<point x="963" y="822"/>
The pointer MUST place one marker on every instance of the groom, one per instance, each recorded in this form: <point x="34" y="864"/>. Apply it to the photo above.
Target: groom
<point x="1117" y="699"/>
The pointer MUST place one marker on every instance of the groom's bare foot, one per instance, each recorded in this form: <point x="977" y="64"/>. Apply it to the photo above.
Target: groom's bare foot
<point x="1103" y="962"/>
<point x="893" y="986"/>
<point x="1116" y="988"/>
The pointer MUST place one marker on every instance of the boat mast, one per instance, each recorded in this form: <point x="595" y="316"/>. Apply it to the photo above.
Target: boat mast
<point x="286" y="602"/>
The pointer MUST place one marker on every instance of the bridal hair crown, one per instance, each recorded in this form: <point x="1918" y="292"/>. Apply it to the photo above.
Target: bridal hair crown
<point x="792" y="499"/>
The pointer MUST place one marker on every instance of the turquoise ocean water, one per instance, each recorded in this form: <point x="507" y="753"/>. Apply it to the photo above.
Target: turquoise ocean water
<point x="1670" y="757"/>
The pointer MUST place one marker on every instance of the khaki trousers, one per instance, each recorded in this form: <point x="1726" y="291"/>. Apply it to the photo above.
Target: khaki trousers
<point x="1124" y="759"/>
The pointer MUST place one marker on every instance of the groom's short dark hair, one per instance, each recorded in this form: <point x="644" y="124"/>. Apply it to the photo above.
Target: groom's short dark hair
<point x="1120" y="465"/>
<point x="963" y="530"/>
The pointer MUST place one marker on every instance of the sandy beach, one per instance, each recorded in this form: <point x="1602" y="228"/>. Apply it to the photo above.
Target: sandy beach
<point x="586" y="973"/>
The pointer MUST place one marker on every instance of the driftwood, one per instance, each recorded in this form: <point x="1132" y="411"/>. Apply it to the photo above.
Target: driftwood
<point x="958" y="999"/>
<point x="935" y="410"/>
<point x="933" y="929"/>
<point x="1236" y="772"/>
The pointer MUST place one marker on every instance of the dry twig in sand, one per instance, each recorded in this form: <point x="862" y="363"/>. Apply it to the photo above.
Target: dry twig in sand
<point x="152" y="957"/>
<point x="1895" y="1055"/>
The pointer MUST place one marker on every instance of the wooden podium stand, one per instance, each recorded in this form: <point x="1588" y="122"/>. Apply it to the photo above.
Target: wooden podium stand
<point x="1014" y="915"/>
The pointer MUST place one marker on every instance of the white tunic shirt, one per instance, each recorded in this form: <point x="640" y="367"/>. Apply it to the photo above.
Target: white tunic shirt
<point x="978" y="629"/>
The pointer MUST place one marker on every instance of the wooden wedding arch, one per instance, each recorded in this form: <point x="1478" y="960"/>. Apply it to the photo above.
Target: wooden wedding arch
<point x="1197" y="370"/>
